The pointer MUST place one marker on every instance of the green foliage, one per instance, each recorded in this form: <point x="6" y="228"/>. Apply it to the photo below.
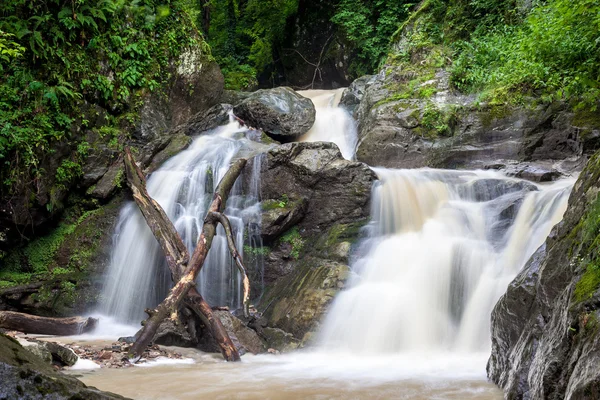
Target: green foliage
<point x="57" y="55"/>
<point x="589" y="227"/>
<point x="257" y="251"/>
<point x="553" y="54"/>
<point x="245" y="34"/>
<point x="368" y="25"/>
<point x="293" y="237"/>
<point x="10" y="50"/>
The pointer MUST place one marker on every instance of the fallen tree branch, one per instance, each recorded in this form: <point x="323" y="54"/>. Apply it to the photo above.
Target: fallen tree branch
<point x="222" y="218"/>
<point x="175" y="251"/>
<point x="46" y="326"/>
<point x="183" y="270"/>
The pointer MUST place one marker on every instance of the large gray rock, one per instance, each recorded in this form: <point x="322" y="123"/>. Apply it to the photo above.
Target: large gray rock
<point x="306" y="264"/>
<point x="403" y="124"/>
<point x="545" y="329"/>
<point x="23" y="375"/>
<point x="197" y="85"/>
<point x="281" y="113"/>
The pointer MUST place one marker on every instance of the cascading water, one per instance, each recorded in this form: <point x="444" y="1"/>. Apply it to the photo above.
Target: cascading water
<point x="332" y="123"/>
<point x="414" y="322"/>
<point x="441" y="249"/>
<point x="137" y="277"/>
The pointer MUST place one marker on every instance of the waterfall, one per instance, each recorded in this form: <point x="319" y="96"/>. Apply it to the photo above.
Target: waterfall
<point x="440" y="251"/>
<point x="138" y="277"/>
<point x="332" y="123"/>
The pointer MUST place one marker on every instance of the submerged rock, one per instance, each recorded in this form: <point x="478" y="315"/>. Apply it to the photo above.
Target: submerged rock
<point x="281" y="113"/>
<point x="545" y="329"/>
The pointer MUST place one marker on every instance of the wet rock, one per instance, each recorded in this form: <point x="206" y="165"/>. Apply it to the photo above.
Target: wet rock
<point x="280" y="341"/>
<point x="234" y="97"/>
<point x="545" y="330"/>
<point x="197" y="85"/>
<point x="26" y="376"/>
<point x="175" y="145"/>
<point x="210" y="119"/>
<point x="489" y="189"/>
<point x="300" y="301"/>
<point x="353" y="95"/>
<point x="281" y="113"/>
<point x="401" y="128"/>
<point x="306" y="265"/>
<point x="61" y="354"/>
<point x="247" y="338"/>
<point x="39" y="349"/>
<point x="171" y="334"/>
<point x="110" y="182"/>
<point x="280" y="215"/>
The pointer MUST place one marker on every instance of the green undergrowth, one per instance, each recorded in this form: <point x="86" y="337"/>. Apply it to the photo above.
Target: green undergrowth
<point x="588" y="232"/>
<point x="64" y="252"/>
<point x="507" y="51"/>
<point x="590" y="262"/>
<point x="59" y="57"/>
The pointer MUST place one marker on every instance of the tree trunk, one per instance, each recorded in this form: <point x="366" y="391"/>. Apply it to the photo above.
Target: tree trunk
<point x="46" y="326"/>
<point x="184" y="272"/>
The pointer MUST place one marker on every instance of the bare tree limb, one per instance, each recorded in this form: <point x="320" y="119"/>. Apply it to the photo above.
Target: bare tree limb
<point x="222" y="218"/>
<point x="187" y="276"/>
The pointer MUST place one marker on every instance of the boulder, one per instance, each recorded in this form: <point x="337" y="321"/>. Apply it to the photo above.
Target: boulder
<point x="280" y="215"/>
<point x="61" y="354"/>
<point x="306" y="261"/>
<point x="244" y="337"/>
<point x="414" y="119"/>
<point x="208" y="119"/>
<point x="26" y="376"/>
<point x="545" y="329"/>
<point x="281" y="113"/>
<point x="197" y="85"/>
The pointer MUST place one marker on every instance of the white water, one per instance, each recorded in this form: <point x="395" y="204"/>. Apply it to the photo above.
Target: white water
<point x="332" y="123"/>
<point x="138" y="277"/>
<point x="436" y="261"/>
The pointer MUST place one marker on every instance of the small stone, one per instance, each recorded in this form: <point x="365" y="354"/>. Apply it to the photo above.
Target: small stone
<point x="105" y="355"/>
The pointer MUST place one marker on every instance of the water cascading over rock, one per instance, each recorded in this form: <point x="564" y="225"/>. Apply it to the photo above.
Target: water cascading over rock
<point x="137" y="277"/>
<point x="440" y="250"/>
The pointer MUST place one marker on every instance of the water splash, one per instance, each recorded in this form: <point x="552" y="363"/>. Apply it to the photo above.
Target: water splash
<point x="138" y="277"/>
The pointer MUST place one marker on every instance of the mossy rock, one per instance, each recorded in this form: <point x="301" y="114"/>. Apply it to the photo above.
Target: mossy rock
<point x="26" y="376"/>
<point x="65" y="264"/>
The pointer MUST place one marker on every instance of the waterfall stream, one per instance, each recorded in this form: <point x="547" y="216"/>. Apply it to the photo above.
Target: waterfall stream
<point x="137" y="277"/>
<point x="441" y="248"/>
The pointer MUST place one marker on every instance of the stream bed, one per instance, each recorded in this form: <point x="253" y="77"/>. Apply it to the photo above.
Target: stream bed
<point x="303" y="375"/>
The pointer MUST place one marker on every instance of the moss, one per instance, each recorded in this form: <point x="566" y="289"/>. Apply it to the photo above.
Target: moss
<point x="494" y="112"/>
<point x="293" y="237"/>
<point x="272" y="204"/>
<point x="343" y="233"/>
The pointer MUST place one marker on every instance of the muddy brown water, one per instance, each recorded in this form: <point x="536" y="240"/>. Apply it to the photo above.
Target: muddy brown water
<point x="298" y="376"/>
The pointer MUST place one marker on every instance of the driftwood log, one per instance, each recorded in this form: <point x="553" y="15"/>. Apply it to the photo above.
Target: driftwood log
<point x="46" y="326"/>
<point x="184" y="270"/>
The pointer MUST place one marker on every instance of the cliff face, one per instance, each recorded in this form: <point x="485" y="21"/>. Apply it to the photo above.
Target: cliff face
<point x="545" y="342"/>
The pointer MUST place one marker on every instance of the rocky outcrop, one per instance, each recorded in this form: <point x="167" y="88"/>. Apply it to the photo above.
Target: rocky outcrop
<point x="410" y="120"/>
<point x="545" y="329"/>
<point x="314" y="203"/>
<point x="26" y="376"/>
<point x="196" y="86"/>
<point x="281" y="113"/>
